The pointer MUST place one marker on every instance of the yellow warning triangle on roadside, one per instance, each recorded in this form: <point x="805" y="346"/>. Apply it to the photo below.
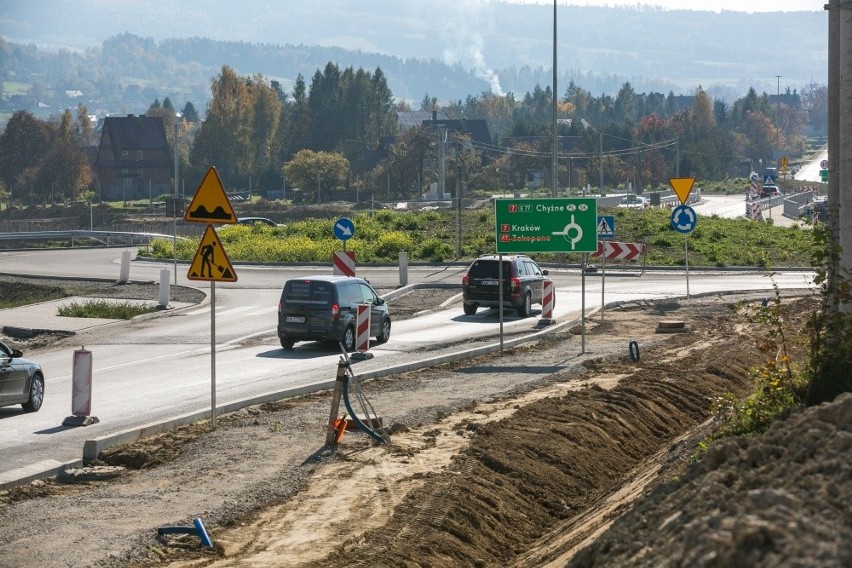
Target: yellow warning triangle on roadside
<point x="210" y="203"/>
<point x="211" y="262"/>
<point x="682" y="187"/>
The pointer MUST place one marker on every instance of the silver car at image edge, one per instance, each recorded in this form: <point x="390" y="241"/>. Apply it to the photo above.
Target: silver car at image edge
<point x="21" y="380"/>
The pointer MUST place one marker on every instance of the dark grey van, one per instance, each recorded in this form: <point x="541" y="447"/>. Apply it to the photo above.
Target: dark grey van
<point x="325" y="308"/>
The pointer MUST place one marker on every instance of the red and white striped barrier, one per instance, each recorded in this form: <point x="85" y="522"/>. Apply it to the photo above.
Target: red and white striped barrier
<point x="343" y="263"/>
<point x="755" y="191"/>
<point x="547" y="300"/>
<point x="362" y="335"/>
<point x="619" y="251"/>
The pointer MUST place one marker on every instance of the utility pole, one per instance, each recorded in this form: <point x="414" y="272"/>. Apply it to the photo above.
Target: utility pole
<point x="840" y="18"/>
<point x="600" y="160"/>
<point x="779" y="84"/>
<point x="554" y="166"/>
<point x="442" y="164"/>
<point x="677" y="158"/>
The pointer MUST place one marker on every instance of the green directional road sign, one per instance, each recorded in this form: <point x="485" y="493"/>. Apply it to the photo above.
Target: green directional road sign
<point x="546" y="225"/>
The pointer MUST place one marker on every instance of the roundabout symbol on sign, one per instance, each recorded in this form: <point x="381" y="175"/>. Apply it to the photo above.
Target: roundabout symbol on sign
<point x="572" y="226"/>
<point x="684" y="219"/>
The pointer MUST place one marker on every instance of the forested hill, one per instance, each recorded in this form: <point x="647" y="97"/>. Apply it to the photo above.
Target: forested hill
<point x="161" y="50"/>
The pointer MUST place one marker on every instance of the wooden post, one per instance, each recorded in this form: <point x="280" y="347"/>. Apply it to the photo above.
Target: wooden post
<point x="340" y="381"/>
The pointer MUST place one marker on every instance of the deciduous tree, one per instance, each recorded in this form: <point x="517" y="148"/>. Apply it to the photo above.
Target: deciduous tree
<point x="66" y="165"/>
<point x="316" y="173"/>
<point x="23" y="145"/>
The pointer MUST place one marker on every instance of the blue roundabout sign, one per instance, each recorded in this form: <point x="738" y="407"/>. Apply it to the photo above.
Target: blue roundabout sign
<point x="684" y="219"/>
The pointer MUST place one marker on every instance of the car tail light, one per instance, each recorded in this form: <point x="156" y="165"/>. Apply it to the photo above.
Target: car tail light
<point x="279" y="308"/>
<point x="335" y="311"/>
<point x="465" y="280"/>
<point x="516" y="286"/>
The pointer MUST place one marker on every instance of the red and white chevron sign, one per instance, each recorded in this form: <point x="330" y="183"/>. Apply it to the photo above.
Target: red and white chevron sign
<point x="343" y="263"/>
<point x="615" y="250"/>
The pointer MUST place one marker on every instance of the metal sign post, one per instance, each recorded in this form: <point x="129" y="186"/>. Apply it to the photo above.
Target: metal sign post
<point x="213" y="353"/>
<point x="686" y="260"/>
<point x="211" y="205"/>
<point x="606" y="231"/>
<point x="603" y="284"/>
<point x="500" y="296"/>
<point x="683" y="221"/>
<point x="583" y="307"/>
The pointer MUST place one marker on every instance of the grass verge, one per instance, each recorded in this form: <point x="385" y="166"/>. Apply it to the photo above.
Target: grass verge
<point x="106" y="310"/>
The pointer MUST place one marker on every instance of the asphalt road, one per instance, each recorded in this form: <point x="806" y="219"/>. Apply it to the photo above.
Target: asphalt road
<point x="153" y="370"/>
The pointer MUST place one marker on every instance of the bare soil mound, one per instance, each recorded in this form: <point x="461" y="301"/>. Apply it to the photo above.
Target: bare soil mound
<point x="784" y="499"/>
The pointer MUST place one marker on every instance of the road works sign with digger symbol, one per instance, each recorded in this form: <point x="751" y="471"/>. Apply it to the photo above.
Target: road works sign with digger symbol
<point x="210" y="262"/>
<point x="546" y="225"/>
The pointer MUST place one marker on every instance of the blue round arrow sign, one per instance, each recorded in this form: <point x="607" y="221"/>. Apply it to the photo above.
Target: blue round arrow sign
<point x="344" y="229"/>
<point x="684" y="219"/>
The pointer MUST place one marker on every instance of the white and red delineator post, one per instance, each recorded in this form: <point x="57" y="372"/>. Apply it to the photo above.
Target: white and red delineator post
<point x="362" y="336"/>
<point x="81" y="390"/>
<point x="547" y="301"/>
<point x="343" y="263"/>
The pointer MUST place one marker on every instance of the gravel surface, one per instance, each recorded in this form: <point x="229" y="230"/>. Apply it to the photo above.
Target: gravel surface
<point x="524" y="459"/>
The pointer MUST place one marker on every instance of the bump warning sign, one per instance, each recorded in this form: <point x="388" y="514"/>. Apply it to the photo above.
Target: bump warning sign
<point x="210" y="203"/>
<point x="211" y="263"/>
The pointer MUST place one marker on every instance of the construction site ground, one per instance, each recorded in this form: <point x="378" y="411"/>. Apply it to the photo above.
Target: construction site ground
<point x="542" y="456"/>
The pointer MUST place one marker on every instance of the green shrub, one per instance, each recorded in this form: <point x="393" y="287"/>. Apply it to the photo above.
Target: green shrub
<point x="105" y="309"/>
<point x="390" y="244"/>
<point x="435" y="250"/>
<point x="777" y="385"/>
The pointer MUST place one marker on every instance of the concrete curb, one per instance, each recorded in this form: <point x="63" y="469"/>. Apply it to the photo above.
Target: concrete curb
<point x="35" y="471"/>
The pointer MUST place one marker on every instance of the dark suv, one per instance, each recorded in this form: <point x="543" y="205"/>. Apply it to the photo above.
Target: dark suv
<point x="521" y="289"/>
<point x="326" y="308"/>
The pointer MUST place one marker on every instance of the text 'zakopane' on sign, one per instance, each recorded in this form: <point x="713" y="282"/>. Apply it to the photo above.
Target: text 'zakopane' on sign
<point x="546" y="225"/>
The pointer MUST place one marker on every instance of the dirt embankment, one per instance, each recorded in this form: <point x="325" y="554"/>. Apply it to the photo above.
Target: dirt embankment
<point x="519" y="460"/>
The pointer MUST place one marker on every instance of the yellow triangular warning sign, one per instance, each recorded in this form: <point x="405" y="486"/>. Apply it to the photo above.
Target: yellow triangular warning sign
<point x="211" y="261"/>
<point x="682" y="187"/>
<point x="210" y="203"/>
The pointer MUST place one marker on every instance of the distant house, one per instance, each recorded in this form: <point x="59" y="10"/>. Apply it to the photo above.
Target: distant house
<point x="134" y="160"/>
<point x="476" y="128"/>
<point x="790" y="99"/>
<point x="407" y="119"/>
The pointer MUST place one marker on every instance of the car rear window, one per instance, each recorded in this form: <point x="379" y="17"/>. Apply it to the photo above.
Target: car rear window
<point x="488" y="269"/>
<point x="308" y="291"/>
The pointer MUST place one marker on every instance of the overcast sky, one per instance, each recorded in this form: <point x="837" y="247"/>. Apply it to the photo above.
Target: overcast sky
<point x="713" y="5"/>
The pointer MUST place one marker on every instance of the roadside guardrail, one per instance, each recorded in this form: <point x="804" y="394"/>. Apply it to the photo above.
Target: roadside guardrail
<point x="75" y="236"/>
